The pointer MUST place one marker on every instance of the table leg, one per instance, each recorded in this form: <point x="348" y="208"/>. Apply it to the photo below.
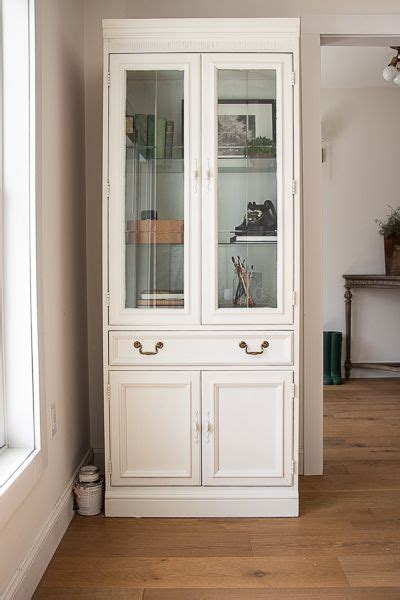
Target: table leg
<point x="347" y="300"/>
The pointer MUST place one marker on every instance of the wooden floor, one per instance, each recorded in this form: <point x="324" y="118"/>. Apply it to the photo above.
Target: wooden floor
<point x="345" y="545"/>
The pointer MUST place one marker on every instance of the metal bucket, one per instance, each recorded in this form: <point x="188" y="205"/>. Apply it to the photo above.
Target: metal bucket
<point x="89" y="497"/>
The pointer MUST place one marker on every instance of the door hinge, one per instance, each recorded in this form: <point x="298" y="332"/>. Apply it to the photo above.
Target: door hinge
<point x="108" y="299"/>
<point x="109" y="467"/>
<point x="293" y="78"/>
<point x="294" y="187"/>
<point x="108" y="391"/>
<point x="293" y="391"/>
<point x="294" y="298"/>
<point x="108" y="79"/>
<point x="293" y="467"/>
<point x="108" y="190"/>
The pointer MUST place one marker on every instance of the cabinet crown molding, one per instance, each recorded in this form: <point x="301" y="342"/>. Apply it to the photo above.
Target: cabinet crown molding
<point x="198" y="35"/>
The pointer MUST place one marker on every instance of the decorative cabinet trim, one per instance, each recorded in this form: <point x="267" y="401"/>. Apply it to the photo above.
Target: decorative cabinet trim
<point x="202" y="35"/>
<point x="193" y="45"/>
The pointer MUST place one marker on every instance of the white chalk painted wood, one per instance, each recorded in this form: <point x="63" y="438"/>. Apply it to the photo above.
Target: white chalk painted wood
<point x="202" y="348"/>
<point x="247" y="428"/>
<point x="155" y="425"/>
<point x="201" y="428"/>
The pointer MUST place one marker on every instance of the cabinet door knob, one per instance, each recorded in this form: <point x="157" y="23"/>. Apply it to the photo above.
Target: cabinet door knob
<point x="196" y="176"/>
<point x="209" y="427"/>
<point x="139" y="347"/>
<point x="209" y="175"/>
<point x="197" y="427"/>
<point x="264" y="345"/>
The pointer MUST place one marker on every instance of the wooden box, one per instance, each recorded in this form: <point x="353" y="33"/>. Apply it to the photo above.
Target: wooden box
<point x="155" y="232"/>
<point x="154" y="237"/>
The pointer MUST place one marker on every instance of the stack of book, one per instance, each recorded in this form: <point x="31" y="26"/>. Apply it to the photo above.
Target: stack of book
<point x="154" y="136"/>
<point x="161" y="298"/>
<point x="236" y="239"/>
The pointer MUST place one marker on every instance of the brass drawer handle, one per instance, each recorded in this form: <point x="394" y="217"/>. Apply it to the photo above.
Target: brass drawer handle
<point x="264" y="345"/>
<point x="139" y="346"/>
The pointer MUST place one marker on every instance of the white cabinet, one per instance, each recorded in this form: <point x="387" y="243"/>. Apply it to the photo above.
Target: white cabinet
<point x="155" y="424"/>
<point x="247" y="428"/>
<point x="201" y="267"/>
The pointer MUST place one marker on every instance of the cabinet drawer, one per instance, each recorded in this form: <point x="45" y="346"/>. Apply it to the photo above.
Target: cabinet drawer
<point x="200" y="348"/>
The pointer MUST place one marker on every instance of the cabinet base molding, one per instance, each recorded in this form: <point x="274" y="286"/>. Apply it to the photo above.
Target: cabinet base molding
<point x="257" y="502"/>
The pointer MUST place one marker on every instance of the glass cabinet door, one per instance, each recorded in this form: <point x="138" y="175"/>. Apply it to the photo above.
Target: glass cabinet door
<point x="247" y="192"/>
<point x="154" y="156"/>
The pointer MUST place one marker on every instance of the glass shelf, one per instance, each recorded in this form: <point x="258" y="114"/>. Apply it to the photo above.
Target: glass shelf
<point x="225" y="165"/>
<point x="247" y="165"/>
<point x="266" y="243"/>
<point x="146" y="245"/>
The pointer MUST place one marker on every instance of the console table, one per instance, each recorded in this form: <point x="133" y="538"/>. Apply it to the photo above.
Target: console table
<point x="383" y="282"/>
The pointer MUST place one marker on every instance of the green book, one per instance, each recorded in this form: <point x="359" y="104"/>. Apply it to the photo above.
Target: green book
<point x="161" y="127"/>
<point x="140" y="121"/>
<point x="156" y="137"/>
<point x="169" y="139"/>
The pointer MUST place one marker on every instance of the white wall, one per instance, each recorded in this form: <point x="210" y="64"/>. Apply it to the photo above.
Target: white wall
<point x="361" y="131"/>
<point x="62" y="277"/>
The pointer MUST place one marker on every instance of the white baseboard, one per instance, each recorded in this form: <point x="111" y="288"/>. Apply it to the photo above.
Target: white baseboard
<point x="202" y="502"/>
<point x="252" y="507"/>
<point x="30" y="572"/>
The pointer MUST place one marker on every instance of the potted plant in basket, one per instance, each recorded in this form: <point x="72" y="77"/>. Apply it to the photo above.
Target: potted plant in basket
<point x="390" y="229"/>
<point x="261" y="147"/>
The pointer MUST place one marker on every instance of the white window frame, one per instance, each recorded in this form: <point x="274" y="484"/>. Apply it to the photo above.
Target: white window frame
<point x="21" y="458"/>
<point x="2" y="399"/>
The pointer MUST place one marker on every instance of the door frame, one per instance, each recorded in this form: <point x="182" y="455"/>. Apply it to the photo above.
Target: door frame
<point x="317" y="29"/>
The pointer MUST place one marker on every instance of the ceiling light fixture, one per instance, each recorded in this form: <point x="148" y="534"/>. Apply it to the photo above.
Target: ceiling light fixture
<point x="392" y="71"/>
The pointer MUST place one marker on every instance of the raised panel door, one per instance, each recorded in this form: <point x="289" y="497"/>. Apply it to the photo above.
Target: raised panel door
<point x="247" y="428"/>
<point x="155" y="424"/>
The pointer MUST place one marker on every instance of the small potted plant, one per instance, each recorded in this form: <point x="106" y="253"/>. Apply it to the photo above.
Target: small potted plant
<point x="261" y="147"/>
<point x="390" y="229"/>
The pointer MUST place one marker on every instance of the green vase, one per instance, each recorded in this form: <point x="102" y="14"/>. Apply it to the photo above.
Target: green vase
<point x="327" y="358"/>
<point x="336" y="357"/>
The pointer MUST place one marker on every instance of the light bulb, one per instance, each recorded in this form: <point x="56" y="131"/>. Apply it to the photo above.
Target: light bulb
<point x="396" y="79"/>
<point x="389" y="73"/>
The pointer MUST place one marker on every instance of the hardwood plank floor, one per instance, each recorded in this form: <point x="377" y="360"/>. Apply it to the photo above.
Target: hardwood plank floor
<point x="344" y="546"/>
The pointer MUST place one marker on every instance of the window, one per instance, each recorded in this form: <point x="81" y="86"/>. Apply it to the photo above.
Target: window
<point x="19" y="411"/>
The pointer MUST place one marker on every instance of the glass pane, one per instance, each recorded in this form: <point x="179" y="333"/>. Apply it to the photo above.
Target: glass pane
<point x="154" y="190"/>
<point x="247" y="189"/>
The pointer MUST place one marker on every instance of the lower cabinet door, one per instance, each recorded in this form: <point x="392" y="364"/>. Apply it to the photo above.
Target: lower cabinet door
<point x="155" y="428"/>
<point x="247" y="428"/>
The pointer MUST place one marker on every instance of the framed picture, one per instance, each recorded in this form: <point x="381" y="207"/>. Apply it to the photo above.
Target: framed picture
<point x="240" y="121"/>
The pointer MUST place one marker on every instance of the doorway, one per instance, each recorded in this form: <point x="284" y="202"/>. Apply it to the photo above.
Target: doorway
<point x="360" y="138"/>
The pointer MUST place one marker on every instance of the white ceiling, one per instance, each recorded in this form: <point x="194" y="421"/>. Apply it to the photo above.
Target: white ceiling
<point x="354" y="67"/>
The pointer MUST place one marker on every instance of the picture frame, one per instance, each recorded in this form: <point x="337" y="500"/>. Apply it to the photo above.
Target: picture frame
<point x="240" y="121"/>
